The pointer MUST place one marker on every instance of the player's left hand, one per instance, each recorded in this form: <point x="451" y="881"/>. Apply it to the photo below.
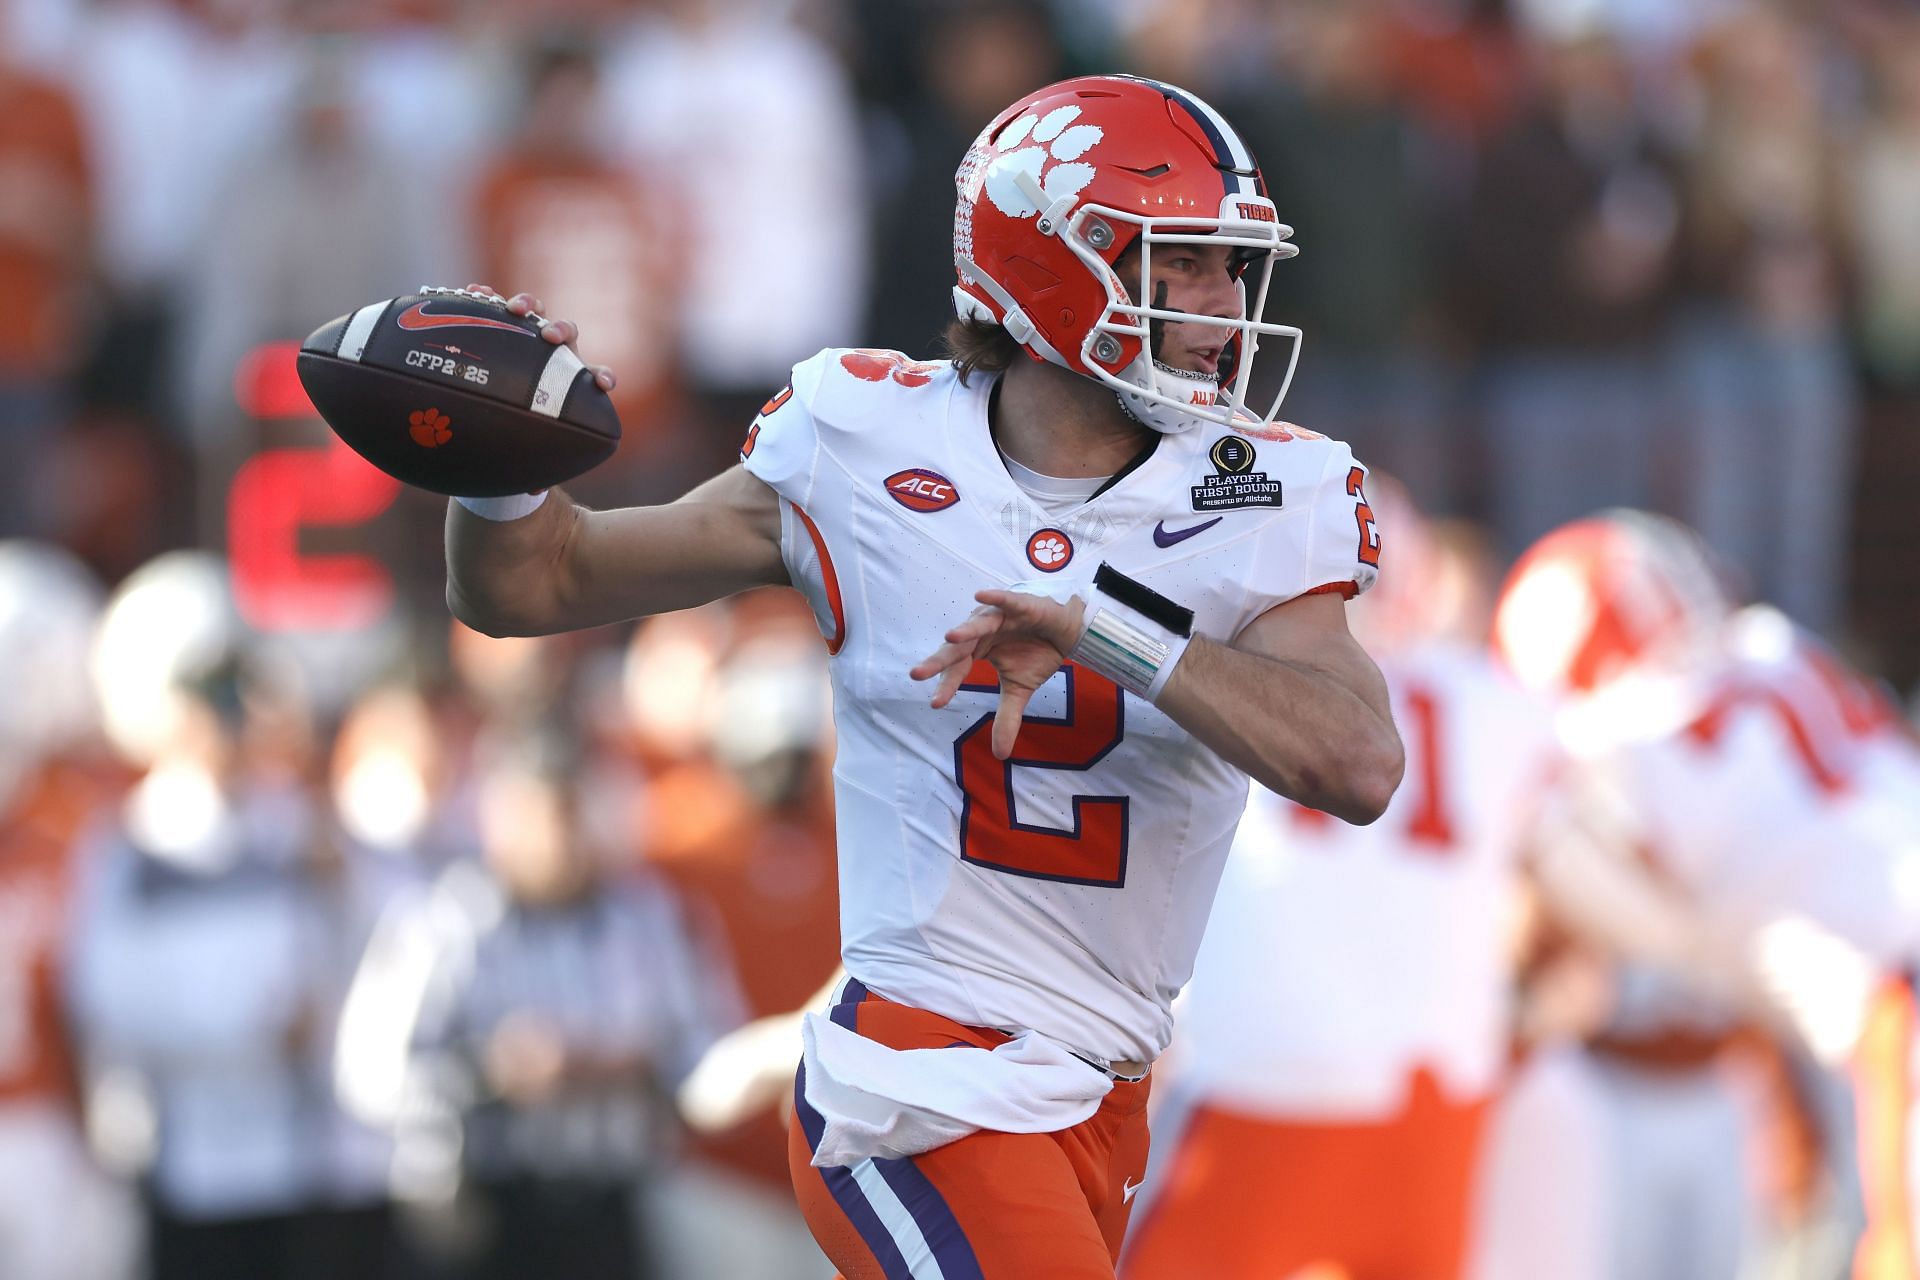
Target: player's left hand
<point x="1025" y="637"/>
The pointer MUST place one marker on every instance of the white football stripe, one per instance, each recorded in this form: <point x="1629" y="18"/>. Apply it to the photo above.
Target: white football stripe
<point x="354" y="341"/>
<point x="555" y="379"/>
<point x="921" y="1263"/>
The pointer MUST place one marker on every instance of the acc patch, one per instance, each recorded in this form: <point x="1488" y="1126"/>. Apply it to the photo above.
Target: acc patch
<point x="918" y="489"/>
<point x="1234" y="484"/>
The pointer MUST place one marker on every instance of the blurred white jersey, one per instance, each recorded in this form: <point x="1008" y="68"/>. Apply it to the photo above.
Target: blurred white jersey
<point x="1777" y="828"/>
<point x="1849" y="732"/>
<point x="1063" y="890"/>
<point x="1340" y="959"/>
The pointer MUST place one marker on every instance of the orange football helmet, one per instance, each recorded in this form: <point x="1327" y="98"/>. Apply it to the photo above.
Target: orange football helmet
<point x="1623" y="601"/>
<point x="1067" y="179"/>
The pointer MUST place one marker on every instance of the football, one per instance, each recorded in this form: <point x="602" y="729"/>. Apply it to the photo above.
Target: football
<point x="448" y="390"/>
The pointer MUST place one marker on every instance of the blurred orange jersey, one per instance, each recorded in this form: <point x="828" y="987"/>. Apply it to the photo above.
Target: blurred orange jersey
<point x="43" y="154"/>
<point x="1347" y="1018"/>
<point x="583" y="236"/>
<point x="38" y="835"/>
<point x="769" y="881"/>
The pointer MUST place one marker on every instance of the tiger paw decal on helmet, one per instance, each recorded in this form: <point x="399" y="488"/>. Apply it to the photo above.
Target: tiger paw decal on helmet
<point x="1052" y="159"/>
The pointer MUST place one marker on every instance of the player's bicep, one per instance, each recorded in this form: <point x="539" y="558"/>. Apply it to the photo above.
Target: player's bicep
<point x="722" y="537"/>
<point x="1311" y="631"/>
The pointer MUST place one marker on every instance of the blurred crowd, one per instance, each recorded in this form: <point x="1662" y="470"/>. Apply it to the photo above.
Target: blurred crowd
<point x="1556" y="253"/>
<point x="406" y="989"/>
<point x="366" y="945"/>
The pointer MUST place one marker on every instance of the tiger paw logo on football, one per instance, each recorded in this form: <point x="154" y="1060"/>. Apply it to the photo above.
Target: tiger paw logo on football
<point x="429" y="428"/>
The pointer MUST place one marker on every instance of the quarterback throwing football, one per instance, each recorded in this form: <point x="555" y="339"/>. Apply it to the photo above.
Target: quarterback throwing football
<point x="1075" y="591"/>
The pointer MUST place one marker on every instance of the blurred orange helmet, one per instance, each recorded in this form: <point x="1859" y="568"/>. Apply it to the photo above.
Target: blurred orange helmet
<point x="1070" y="177"/>
<point x="1625" y="598"/>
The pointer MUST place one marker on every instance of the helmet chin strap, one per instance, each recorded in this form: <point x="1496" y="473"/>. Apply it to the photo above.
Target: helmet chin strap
<point x="1177" y="384"/>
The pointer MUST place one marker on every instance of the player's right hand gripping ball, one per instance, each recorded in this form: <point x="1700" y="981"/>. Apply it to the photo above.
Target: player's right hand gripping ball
<point x="448" y="390"/>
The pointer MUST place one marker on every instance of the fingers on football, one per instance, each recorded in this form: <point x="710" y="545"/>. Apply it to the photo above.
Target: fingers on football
<point x="560" y="332"/>
<point x="603" y="376"/>
<point x="1007" y="717"/>
<point x="487" y="289"/>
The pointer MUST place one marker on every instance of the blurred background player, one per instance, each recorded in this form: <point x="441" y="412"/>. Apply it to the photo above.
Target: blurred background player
<point x="543" y="1005"/>
<point x="61" y="1216"/>
<point x="739" y="819"/>
<point x="1347" y="1022"/>
<point x="1846" y="986"/>
<point x="1702" y="833"/>
<point x="217" y="928"/>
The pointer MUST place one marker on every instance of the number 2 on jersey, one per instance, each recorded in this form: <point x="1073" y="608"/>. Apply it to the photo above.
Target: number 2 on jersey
<point x="1094" y="851"/>
<point x="1363" y="517"/>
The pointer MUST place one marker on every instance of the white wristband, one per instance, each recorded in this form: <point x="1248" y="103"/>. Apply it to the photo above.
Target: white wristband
<point x="1128" y="648"/>
<point x="511" y="507"/>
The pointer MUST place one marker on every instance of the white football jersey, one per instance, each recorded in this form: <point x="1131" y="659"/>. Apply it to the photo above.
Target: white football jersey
<point x="1339" y="959"/>
<point x="1782" y="821"/>
<point x="1063" y="890"/>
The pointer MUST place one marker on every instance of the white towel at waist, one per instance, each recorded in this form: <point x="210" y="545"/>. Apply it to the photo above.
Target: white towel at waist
<point x="891" y="1103"/>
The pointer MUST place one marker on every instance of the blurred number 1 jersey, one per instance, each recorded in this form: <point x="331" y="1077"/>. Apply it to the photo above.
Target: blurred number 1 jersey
<point x="1341" y="959"/>
<point x="1064" y="890"/>
<point x="1347" y="1017"/>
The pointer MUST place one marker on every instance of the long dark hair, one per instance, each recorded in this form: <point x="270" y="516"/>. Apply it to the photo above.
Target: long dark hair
<point x="977" y="345"/>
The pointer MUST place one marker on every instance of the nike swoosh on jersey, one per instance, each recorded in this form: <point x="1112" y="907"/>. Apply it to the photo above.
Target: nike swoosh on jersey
<point x="1165" y="537"/>
<point x="416" y="317"/>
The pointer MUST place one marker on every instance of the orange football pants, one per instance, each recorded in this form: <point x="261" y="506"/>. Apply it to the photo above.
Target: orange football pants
<point x="1251" y="1198"/>
<point x="991" y="1206"/>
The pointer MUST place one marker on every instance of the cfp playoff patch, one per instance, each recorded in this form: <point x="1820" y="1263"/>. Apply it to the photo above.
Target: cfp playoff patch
<point x="1234" y="484"/>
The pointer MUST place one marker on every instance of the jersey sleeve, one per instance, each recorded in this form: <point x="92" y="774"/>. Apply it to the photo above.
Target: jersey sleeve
<point x="783" y="444"/>
<point x="1335" y="549"/>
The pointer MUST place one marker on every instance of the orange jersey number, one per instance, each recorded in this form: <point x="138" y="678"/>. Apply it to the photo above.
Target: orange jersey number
<point x="1363" y="516"/>
<point x="1094" y="852"/>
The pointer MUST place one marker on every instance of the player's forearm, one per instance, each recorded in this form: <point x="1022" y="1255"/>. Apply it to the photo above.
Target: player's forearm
<point x="1304" y="732"/>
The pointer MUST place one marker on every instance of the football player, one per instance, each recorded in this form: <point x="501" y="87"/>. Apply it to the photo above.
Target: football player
<point x="1127" y="588"/>
<point x="1347" y="1021"/>
<point x="1845" y="979"/>
<point x="60" y="1216"/>
<point x="1713" y="830"/>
